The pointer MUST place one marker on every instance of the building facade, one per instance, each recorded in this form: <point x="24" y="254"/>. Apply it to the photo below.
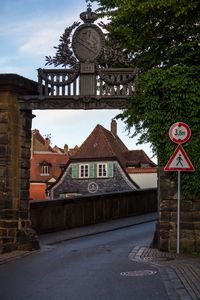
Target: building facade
<point x="46" y="165"/>
<point x="100" y="166"/>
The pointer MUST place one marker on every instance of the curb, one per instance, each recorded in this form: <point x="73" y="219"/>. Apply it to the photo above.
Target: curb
<point x="7" y="257"/>
<point x="180" y="274"/>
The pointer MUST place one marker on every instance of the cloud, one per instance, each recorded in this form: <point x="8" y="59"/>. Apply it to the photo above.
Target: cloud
<point x="70" y="126"/>
<point x="9" y="64"/>
<point x="33" y="38"/>
<point x="59" y="118"/>
<point x="41" y="42"/>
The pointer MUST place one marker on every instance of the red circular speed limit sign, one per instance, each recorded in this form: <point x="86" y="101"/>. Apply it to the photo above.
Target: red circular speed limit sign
<point x="179" y="132"/>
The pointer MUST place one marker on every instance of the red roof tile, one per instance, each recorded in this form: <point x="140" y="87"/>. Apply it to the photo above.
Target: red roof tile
<point x="137" y="157"/>
<point x="103" y="144"/>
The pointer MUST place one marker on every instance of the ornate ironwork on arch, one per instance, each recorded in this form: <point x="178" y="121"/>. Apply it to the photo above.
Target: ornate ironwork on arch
<point x="84" y="81"/>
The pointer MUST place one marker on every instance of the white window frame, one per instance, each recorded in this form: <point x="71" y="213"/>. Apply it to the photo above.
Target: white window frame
<point x="100" y="170"/>
<point x="84" y="171"/>
<point x="44" y="170"/>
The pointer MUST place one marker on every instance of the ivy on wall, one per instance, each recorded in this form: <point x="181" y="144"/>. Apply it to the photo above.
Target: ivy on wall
<point x="162" y="39"/>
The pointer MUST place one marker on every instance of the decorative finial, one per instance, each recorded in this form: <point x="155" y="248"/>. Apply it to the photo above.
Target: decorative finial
<point x="89" y="7"/>
<point x="88" y="16"/>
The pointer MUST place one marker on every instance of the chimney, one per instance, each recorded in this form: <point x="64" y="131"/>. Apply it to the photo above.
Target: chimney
<point x="114" y="127"/>
<point x="66" y="149"/>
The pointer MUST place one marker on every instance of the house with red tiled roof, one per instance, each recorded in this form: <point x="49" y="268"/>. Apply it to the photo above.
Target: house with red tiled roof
<point x="100" y="166"/>
<point x="46" y="165"/>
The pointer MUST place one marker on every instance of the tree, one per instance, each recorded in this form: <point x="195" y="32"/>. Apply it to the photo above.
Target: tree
<point x="162" y="38"/>
<point x="156" y="32"/>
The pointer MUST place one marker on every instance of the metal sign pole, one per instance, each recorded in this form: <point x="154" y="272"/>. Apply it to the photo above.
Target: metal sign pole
<point x="178" y="211"/>
<point x="179" y="133"/>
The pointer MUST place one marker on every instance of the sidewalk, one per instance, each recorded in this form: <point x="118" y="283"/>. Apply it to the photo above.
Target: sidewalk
<point x="70" y="234"/>
<point x="180" y="273"/>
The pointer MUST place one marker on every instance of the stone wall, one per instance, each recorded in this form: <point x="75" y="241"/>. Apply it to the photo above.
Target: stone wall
<point x="60" y="214"/>
<point x="167" y="223"/>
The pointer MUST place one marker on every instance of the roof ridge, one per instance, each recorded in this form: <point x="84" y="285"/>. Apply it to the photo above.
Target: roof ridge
<point x="85" y="141"/>
<point x="108" y="142"/>
<point x="116" y="137"/>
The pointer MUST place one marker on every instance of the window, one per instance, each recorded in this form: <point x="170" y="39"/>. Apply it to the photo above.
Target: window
<point x="44" y="170"/>
<point x="102" y="170"/>
<point x="84" y="171"/>
<point x="92" y="170"/>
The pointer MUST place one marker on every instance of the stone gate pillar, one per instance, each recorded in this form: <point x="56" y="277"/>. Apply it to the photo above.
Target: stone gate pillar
<point x="15" y="142"/>
<point x="167" y="221"/>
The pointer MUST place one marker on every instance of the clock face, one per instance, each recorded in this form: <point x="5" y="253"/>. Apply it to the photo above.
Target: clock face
<point x="87" y="42"/>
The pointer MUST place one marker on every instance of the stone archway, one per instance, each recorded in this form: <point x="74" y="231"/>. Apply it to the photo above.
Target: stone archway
<point x="83" y="86"/>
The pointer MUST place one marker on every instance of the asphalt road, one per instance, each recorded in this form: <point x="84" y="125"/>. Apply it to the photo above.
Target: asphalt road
<point x="87" y="268"/>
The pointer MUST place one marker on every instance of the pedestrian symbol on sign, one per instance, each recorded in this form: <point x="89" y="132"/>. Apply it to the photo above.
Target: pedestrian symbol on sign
<point x="180" y="160"/>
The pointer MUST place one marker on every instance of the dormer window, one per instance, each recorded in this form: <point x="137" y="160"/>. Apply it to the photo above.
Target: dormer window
<point x="44" y="168"/>
<point x="84" y="171"/>
<point x="102" y="170"/>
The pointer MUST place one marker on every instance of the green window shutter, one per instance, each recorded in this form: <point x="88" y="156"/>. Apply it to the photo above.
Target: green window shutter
<point x="74" y="171"/>
<point x="110" y="169"/>
<point x="92" y="170"/>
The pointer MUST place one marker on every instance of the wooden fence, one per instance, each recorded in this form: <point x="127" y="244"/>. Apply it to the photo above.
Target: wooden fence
<point x="60" y="214"/>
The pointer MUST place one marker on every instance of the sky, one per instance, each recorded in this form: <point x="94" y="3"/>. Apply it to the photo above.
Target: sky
<point x="29" y="29"/>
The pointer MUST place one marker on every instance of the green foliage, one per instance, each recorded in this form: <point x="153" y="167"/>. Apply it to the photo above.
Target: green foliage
<point x="162" y="38"/>
<point x="156" y="32"/>
<point x="166" y="96"/>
